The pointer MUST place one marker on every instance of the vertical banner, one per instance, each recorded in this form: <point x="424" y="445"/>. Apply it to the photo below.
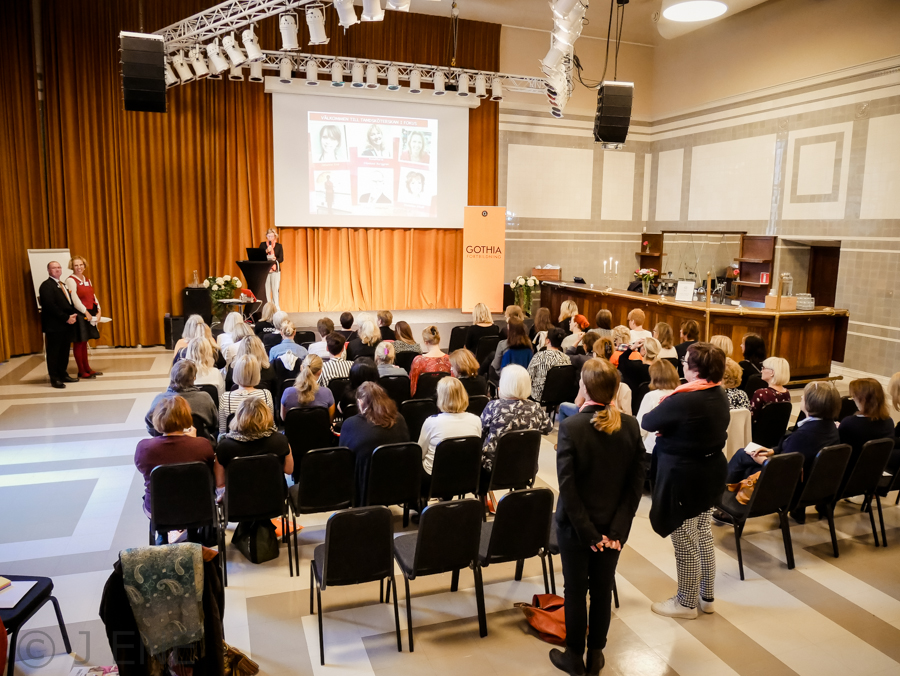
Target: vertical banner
<point x="484" y="237"/>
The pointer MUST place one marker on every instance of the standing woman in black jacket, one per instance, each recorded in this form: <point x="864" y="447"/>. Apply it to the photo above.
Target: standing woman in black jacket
<point x="688" y="474"/>
<point x="275" y="253"/>
<point x="600" y="478"/>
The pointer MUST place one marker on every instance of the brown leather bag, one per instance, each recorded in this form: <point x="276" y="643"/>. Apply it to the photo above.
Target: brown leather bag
<point x="745" y="488"/>
<point x="547" y="614"/>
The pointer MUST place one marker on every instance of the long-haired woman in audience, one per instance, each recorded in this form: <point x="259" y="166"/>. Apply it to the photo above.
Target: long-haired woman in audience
<point x="195" y="327"/>
<point x="724" y="343"/>
<point x="518" y="348"/>
<point x="567" y="310"/>
<point x="265" y="324"/>
<point x="238" y="334"/>
<point x="601" y="473"/>
<point x="254" y="346"/>
<point x="464" y="367"/>
<point x="754" y="350"/>
<point x="634" y="372"/>
<point x="663" y="381"/>
<point x="306" y="391"/>
<point x="246" y="377"/>
<point x="404" y="341"/>
<point x="200" y="352"/>
<point x="482" y="326"/>
<point x="367" y="337"/>
<point x="362" y="371"/>
<point x="604" y="349"/>
<point x="731" y="381"/>
<point x="894" y="391"/>
<point x="384" y="360"/>
<point x="226" y="338"/>
<point x="189" y="331"/>
<point x="603" y="324"/>
<point x="376" y="424"/>
<point x="871" y="421"/>
<point x="666" y="337"/>
<point x="433" y="361"/>
<point x="776" y="372"/>
<point x="542" y="324"/>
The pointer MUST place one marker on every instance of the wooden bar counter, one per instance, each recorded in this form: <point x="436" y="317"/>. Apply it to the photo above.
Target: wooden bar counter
<point x="809" y="340"/>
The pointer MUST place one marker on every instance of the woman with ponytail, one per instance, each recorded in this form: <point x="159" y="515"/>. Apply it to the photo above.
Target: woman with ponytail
<point x="306" y="392"/>
<point x="601" y="474"/>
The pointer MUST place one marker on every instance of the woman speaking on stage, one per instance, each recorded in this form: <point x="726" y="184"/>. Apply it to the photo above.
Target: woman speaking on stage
<point x="85" y="301"/>
<point x="275" y="253"/>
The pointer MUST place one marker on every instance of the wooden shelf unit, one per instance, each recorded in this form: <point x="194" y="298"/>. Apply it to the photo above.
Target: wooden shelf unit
<point x="653" y="258"/>
<point x="757" y="253"/>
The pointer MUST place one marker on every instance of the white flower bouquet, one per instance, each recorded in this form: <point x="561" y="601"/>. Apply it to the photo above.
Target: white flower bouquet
<point x="524" y="287"/>
<point x="219" y="289"/>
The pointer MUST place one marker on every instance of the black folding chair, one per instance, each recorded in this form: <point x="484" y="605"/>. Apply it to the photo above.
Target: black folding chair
<point x="15" y="618"/>
<point x="642" y="391"/>
<point x="338" y="561"/>
<point x="520" y="530"/>
<point x="754" y="382"/>
<point x="306" y="343"/>
<point x="515" y="462"/>
<point x="848" y="408"/>
<point x="487" y="346"/>
<point x="255" y="490"/>
<point x="458" y="335"/>
<point x="325" y="484"/>
<point x="477" y="404"/>
<point x="395" y="477"/>
<point x="212" y="391"/>
<point x="560" y="386"/>
<point x="397" y="387"/>
<point x="771" y="423"/>
<point x="426" y="385"/>
<point x="823" y="483"/>
<point x="447" y="540"/>
<point x="772" y="495"/>
<point x="415" y="412"/>
<point x="338" y="386"/>
<point x="865" y="477"/>
<point x="553" y="549"/>
<point x="306" y="429"/>
<point x="456" y="468"/>
<point x="283" y="374"/>
<point x="405" y="359"/>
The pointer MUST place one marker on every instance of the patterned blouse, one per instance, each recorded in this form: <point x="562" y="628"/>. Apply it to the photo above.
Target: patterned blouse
<point x="737" y="399"/>
<point x="400" y="346"/>
<point x="423" y="364"/>
<point x="509" y="415"/>
<point x="766" y="396"/>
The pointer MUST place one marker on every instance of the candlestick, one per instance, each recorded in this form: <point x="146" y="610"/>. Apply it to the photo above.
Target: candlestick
<point x="617" y="267"/>
<point x="604" y="267"/>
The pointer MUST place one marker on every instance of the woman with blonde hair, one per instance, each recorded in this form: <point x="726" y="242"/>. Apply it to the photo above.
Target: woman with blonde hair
<point x="306" y="391"/>
<point x="731" y="381"/>
<point x="232" y="319"/>
<point x="363" y="345"/>
<point x="482" y="325"/>
<point x="403" y="339"/>
<point x="567" y="310"/>
<point x="464" y="367"/>
<point x="253" y="432"/>
<point x="663" y="380"/>
<point x="634" y="372"/>
<point x="776" y="372"/>
<point x="238" y="333"/>
<point x="200" y="352"/>
<point x="666" y="337"/>
<point x="191" y="330"/>
<point x="246" y="377"/>
<point x="265" y="325"/>
<point x="81" y="291"/>
<point x="253" y="346"/>
<point x="600" y="468"/>
<point x="433" y="361"/>
<point x="384" y="360"/>
<point x="724" y="343"/>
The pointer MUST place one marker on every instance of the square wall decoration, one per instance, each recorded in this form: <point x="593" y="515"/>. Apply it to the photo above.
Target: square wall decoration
<point x="816" y="173"/>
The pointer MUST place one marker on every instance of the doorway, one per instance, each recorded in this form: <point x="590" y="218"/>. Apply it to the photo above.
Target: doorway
<point x="823" y="274"/>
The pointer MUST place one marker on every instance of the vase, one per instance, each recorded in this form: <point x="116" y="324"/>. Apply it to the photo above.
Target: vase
<point x="645" y="286"/>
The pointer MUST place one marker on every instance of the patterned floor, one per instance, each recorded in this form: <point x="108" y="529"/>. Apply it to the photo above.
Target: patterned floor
<point x="70" y="500"/>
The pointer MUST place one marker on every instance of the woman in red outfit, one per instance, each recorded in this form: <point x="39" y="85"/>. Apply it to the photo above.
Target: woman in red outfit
<point x="432" y="361"/>
<point x="82" y="292"/>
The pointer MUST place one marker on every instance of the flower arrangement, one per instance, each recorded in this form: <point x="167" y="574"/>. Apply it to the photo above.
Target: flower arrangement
<point x="646" y="274"/>
<point x="524" y="288"/>
<point x="221" y="288"/>
<point x="646" y="246"/>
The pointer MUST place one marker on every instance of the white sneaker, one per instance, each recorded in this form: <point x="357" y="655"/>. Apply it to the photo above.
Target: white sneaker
<point x="707" y="606"/>
<point x="672" y="608"/>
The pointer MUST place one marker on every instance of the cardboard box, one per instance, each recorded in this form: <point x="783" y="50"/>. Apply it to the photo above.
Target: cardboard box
<point x="545" y="275"/>
<point x="788" y="303"/>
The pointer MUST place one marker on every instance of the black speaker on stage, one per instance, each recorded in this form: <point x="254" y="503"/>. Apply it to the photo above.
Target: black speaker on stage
<point x="613" y="114"/>
<point x="173" y="328"/>
<point x="143" y="72"/>
<point x="196" y="301"/>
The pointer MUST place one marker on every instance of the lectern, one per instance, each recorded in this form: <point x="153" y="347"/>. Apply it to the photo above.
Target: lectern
<point x="255" y="272"/>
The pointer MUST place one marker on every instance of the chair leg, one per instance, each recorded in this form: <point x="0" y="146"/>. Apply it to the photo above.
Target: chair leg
<point x="615" y="593"/>
<point x="296" y="546"/>
<point x="786" y="536"/>
<point x="454" y="581"/>
<point x="868" y="503"/>
<point x="397" y="616"/>
<point x="321" y="631"/>
<point x="381" y="591"/>
<point x="544" y="569"/>
<point x="881" y="521"/>
<point x="409" y="627"/>
<point x="406" y="515"/>
<point x="11" y="663"/>
<point x="737" y="544"/>
<point x="312" y="583"/>
<point x="287" y="539"/>
<point x="830" y="517"/>
<point x="484" y="507"/>
<point x="479" y="601"/>
<point x="223" y="548"/>
<point x="520" y="566"/>
<point x="552" y="574"/>
<point x="152" y="541"/>
<point x="62" y="626"/>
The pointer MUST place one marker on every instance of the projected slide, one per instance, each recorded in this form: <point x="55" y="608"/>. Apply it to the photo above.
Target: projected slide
<point x="372" y="165"/>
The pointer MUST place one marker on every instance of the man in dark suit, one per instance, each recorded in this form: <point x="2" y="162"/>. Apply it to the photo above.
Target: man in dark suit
<point x="58" y="317"/>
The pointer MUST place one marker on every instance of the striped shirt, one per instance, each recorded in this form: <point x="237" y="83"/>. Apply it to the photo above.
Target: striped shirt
<point x="336" y="367"/>
<point x="231" y="401"/>
<point x="540" y="365"/>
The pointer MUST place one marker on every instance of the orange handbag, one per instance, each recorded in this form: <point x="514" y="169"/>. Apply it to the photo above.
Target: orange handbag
<point x="744" y="489"/>
<point x="547" y="615"/>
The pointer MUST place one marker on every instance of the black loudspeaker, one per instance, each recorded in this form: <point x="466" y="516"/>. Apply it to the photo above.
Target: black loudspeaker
<point x="196" y="301"/>
<point x="173" y="328"/>
<point x="613" y="113"/>
<point x="143" y="72"/>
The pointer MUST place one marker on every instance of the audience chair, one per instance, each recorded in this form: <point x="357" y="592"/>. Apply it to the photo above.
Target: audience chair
<point x="740" y="431"/>
<point x="865" y="477"/>
<point x="823" y="483"/>
<point x="308" y="337"/>
<point x="415" y="412"/>
<point x="848" y="408"/>
<point x="405" y="359"/>
<point x="515" y="462"/>
<point x="397" y="388"/>
<point x="255" y="490"/>
<point x="305" y="344"/>
<point x="338" y="386"/>
<point x="15" y="618"/>
<point x="477" y="404"/>
<point x="283" y="374"/>
<point x="771" y="423"/>
<point x="456" y="468"/>
<point x="325" y="484"/>
<point x="349" y="411"/>
<point x="642" y="390"/>
<point x="212" y="391"/>
<point x="270" y="340"/>
<point x="553" y="549"/>
<point x="201" y="429"/>
<point x="458" y="335"/>
<point x="487" y="346"/>
<point x="520" y="530"/>
<point x="754" y="382"/>
<point x="772" y="495"/>
<point x="560" y="386"/>
<point x="395" y="477"/>
<point x="306" y="429"/>
<point x="338" y="562"/>
<point x="426" y="386"/>
<point x="889" y="482"/>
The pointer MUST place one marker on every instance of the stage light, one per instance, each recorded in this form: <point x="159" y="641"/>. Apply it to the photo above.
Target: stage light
<point x="312" y="73"/>
<point x="357" y="73"/>
<point x="251" y="44"/>
<point x="554" y="57"/>
<point x="372" y="10"/>
<point x="439" y="84"/>
<point x="315" y="21"/>
<point x="229" y="43"/>
<point x="563" y="8"/>
<point x="337" y="74"/>
<point x="288" y="26"/>
<point x="256" y="74"/>
<point x="462" y="84"/>
<point x="284" y="69"/>
<point x="497" y="89"/>
<point x="393" y="78"/>
<point x="398" y="5"/>
<point x="171" y="79"/>
<point x="198" y="62"/>
<point x="215" y="76"/>
<point x="371" y="76"/>
<point x="235" y="74"/>
<point x="346" y="13"/>
<point x="415" y="81"/>
<point x="217" y="62"/>
<point x="567" y="37"/>
<point x="480" y="87"/>
<point x="184" y="73"/>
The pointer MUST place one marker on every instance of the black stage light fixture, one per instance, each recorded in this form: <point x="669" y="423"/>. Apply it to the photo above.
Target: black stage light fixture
<point x="143" y="72"/>
<point x="613" y="114"/>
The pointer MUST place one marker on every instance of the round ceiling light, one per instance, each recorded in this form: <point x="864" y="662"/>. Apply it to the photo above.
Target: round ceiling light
<point x="694" y="10"/>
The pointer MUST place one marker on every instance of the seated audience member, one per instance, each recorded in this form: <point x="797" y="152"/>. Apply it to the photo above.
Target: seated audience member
<point x="538" y="331"/>
<point x="238" y="334"/>
<point x="202" y="330"/>
<point x="511" y="311"/>
<point x="754" y="350"/>
<point x="362" y="371"/>
<point x="731" y="381"/>
<point x="403" y="339"/>
<point x="346" y="329"/>
<point x="663" y="380"/>
<point x="542" y="362"/>
<point x="621" y="337"/>
<point x="636" y="325"/>
<point x="252" y="345"/>
<point x="603" y="349"/>
<point x="335" y="366"/>
<point x="567" y="310"/>
<point x="464" y="367"/>
<point x="433" y="361"/>
<point x="363" y="345"/>
<point x="688" y="334"/>
<point x="177" y="442"/>
<point x="200" y="353"/>
<point x="635" y="372"/>
<point x="324" y="326"/>
<point x="201" y="405"/>
<point x="226" y="338"/>
<point x="516" y="350"/>
<point x="583" y="352"/>
<point x="272" y="339"/>
<point x="894" y="389"/>
<point x="246" y="377"/>
<point x="265" y="324"/>
<point x="453" y="421"/>
<point x="511" y="411"/>
<point x="873" y="421"/>
<point x="306" y="391"/>
<point x="287" y="343"/>
<point x="724" y="343"/>
<point x="603" y="324"/>
<point x="252" y="432"/>
<point x="384" y="360"/>
<point x="577" y="326"/>
<point x="776" y="373"/>
<point x="482" y="326"/>
<point x="377" y="424"/>
<point x="663" y="333"/>
<point x="191" y="329"/>
<point x="821" y="403"/>
<point x="385" y="319"/>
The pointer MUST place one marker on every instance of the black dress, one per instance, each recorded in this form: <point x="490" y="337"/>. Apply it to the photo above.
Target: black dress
<point x="362" y="437"/>
<point x="476" y="333"/>
<point x="357" y="349"/>
<point x="474" y="385"/>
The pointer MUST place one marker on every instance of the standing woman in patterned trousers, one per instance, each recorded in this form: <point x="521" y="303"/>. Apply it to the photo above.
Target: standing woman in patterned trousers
<point x="688" y="473"/>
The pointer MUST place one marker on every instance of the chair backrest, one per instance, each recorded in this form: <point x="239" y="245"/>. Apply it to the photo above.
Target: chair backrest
<point x="777" y="481"/>
<point x="516" y="459"/>
<point x="338" y="386"/>
<point x="740" y="431"/>
<point x="521" y="527"/>
<point x="477" y="404"/>
<point x="561" y="385"/>
<point x="642" y="390"/>
<point x="182" y="496"/>
<point x="448" y="538"/>
<point x="201" y="428"/>
<point x="397" y="387"/>
<point x="487" y="345"/>
<point x="458" y="336"/>
<point x="866" y="473"/>
<point x="325" y="482"/>
<point x="848" y="408"/>
<point x="359" y="546"/>
<point x="395" y="474"/>
<point x="306" y="429"/>
<point x="405" y="359"/>
<point x="754" y="382"/>
<point x="305" y="344"/>
<point x="426" y="385"/>
<point x="254" y="488"/>
<point x="270" y="340"/>
<point x="456" y="467"/>
<point x="349" y="410"/>
<point x="771" y="423"/>
<point x="415" y="412"/>
<point x="301" y="337"/>
<point x="825" y="477"/>
<point x="212" y="391"/>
